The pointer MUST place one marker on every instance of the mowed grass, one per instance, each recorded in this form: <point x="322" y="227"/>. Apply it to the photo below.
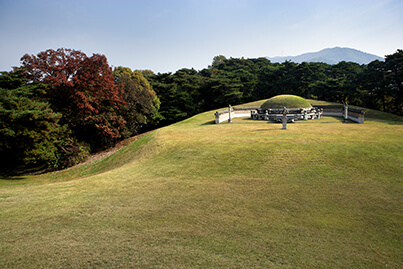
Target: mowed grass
<point x="289" y="101"/>
<point x="321" y="194"/>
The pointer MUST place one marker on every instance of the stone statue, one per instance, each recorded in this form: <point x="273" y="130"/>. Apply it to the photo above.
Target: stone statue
<point x="284" y="118"/>
<point x="345" y="112"/>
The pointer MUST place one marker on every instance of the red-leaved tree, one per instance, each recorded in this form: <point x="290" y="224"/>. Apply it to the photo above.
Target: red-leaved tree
<point x="83" y="90"/>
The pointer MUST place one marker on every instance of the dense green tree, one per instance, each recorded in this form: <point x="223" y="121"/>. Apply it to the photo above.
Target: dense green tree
<point x="266" y="81"/>
<point x="346" y="74"/>
<point x="373" y="86"/>
<point x="29" y="129"/>
<point x="234" y="80"/>
<point x="287" y="80"/>
<point x="163" y="85"/>
<point x="223" y="88"/>
<point x="325" y="90"/>
<point x="249" y="84"/>
<point x="394" y="75"/>
<point x="187" y="82"/>
<point x="179" y="94"/>
<point x="217" y="61"/>
<point x="312" y="73"/>
<point x="306" y="74"/>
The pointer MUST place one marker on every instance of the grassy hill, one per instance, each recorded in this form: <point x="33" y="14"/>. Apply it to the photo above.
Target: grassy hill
<point x="196" y="194"/>
<point x="286" y="100"/>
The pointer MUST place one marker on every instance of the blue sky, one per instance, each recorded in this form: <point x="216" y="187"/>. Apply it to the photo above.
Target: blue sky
<point x="166" y="35"/>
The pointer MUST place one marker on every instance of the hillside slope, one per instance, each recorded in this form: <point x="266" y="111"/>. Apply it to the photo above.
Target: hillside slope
<point x="200" y="195"/>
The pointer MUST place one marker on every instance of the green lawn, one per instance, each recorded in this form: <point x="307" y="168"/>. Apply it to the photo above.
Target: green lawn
<point x="321" y="194"/>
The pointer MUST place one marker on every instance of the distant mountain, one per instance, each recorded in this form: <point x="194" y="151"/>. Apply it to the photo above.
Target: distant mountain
<point x="330" y="56"/>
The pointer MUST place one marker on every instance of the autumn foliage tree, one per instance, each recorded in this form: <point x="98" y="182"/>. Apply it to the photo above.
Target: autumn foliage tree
<point x="83" y="90"/>
<point x="141" y="103"/>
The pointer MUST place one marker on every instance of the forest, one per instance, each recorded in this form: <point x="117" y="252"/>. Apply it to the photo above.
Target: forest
<point x="60" y="106"/>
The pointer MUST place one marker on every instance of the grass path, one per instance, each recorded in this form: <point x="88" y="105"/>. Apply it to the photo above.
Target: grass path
<point x="198" y="195"/>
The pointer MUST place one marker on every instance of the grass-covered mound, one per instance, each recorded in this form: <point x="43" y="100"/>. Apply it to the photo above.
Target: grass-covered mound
<point x="288" y="101"/>
<point x="321" y="194"/>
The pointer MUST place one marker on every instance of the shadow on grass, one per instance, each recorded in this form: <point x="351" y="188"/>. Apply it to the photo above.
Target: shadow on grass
<point x="209" y="122"/>
<point x="268" y="129"/>
<point x="248" y="119"/>
<point x="323" y="120"/>
<point x="18" y="172"/>
<point x="386" y="121"/>
<point x="10" y="177"/>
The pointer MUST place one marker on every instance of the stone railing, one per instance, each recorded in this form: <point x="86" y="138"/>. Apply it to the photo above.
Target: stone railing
<point x="344" y="111"/>
<point x="292" y="114"/>
<point x="233" y="112"/>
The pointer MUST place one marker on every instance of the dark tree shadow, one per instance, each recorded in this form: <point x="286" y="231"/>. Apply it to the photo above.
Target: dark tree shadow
<point x="209" y="122"/>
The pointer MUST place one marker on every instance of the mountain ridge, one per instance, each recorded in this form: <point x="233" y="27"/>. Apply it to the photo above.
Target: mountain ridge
<point x="330" y="56"/>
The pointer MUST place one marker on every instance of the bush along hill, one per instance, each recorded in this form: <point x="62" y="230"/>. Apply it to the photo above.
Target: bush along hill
<point x="321" y="194"/>
<point x="79" y="105"/>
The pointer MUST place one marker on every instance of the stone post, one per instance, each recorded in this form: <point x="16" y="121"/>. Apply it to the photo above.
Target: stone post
<point x="345" y="112"/>
<point x="229" y="114"/>
<point x="361" y="117"/>
<point x="284" y="118"/>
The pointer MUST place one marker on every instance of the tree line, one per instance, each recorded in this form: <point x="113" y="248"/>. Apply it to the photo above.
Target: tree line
<point x="61" y="105"/>
<point x="378" y="85"/>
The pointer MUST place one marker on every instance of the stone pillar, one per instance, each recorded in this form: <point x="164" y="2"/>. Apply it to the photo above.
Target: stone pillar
<point x="229" y="114"/>
<point x="361" y="117"/>
<point x="284" y="118"/>
<point x="345" y="112"/>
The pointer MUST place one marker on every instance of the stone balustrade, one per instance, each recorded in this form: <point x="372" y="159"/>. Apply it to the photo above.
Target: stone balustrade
<point x="293" y="114"/>
<point x="353" y="114"/>
<point x="236" y="112"/>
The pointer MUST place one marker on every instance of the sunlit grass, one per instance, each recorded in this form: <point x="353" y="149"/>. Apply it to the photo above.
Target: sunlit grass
<point x="321" y="194"/>
<point x="289" y="101"/>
